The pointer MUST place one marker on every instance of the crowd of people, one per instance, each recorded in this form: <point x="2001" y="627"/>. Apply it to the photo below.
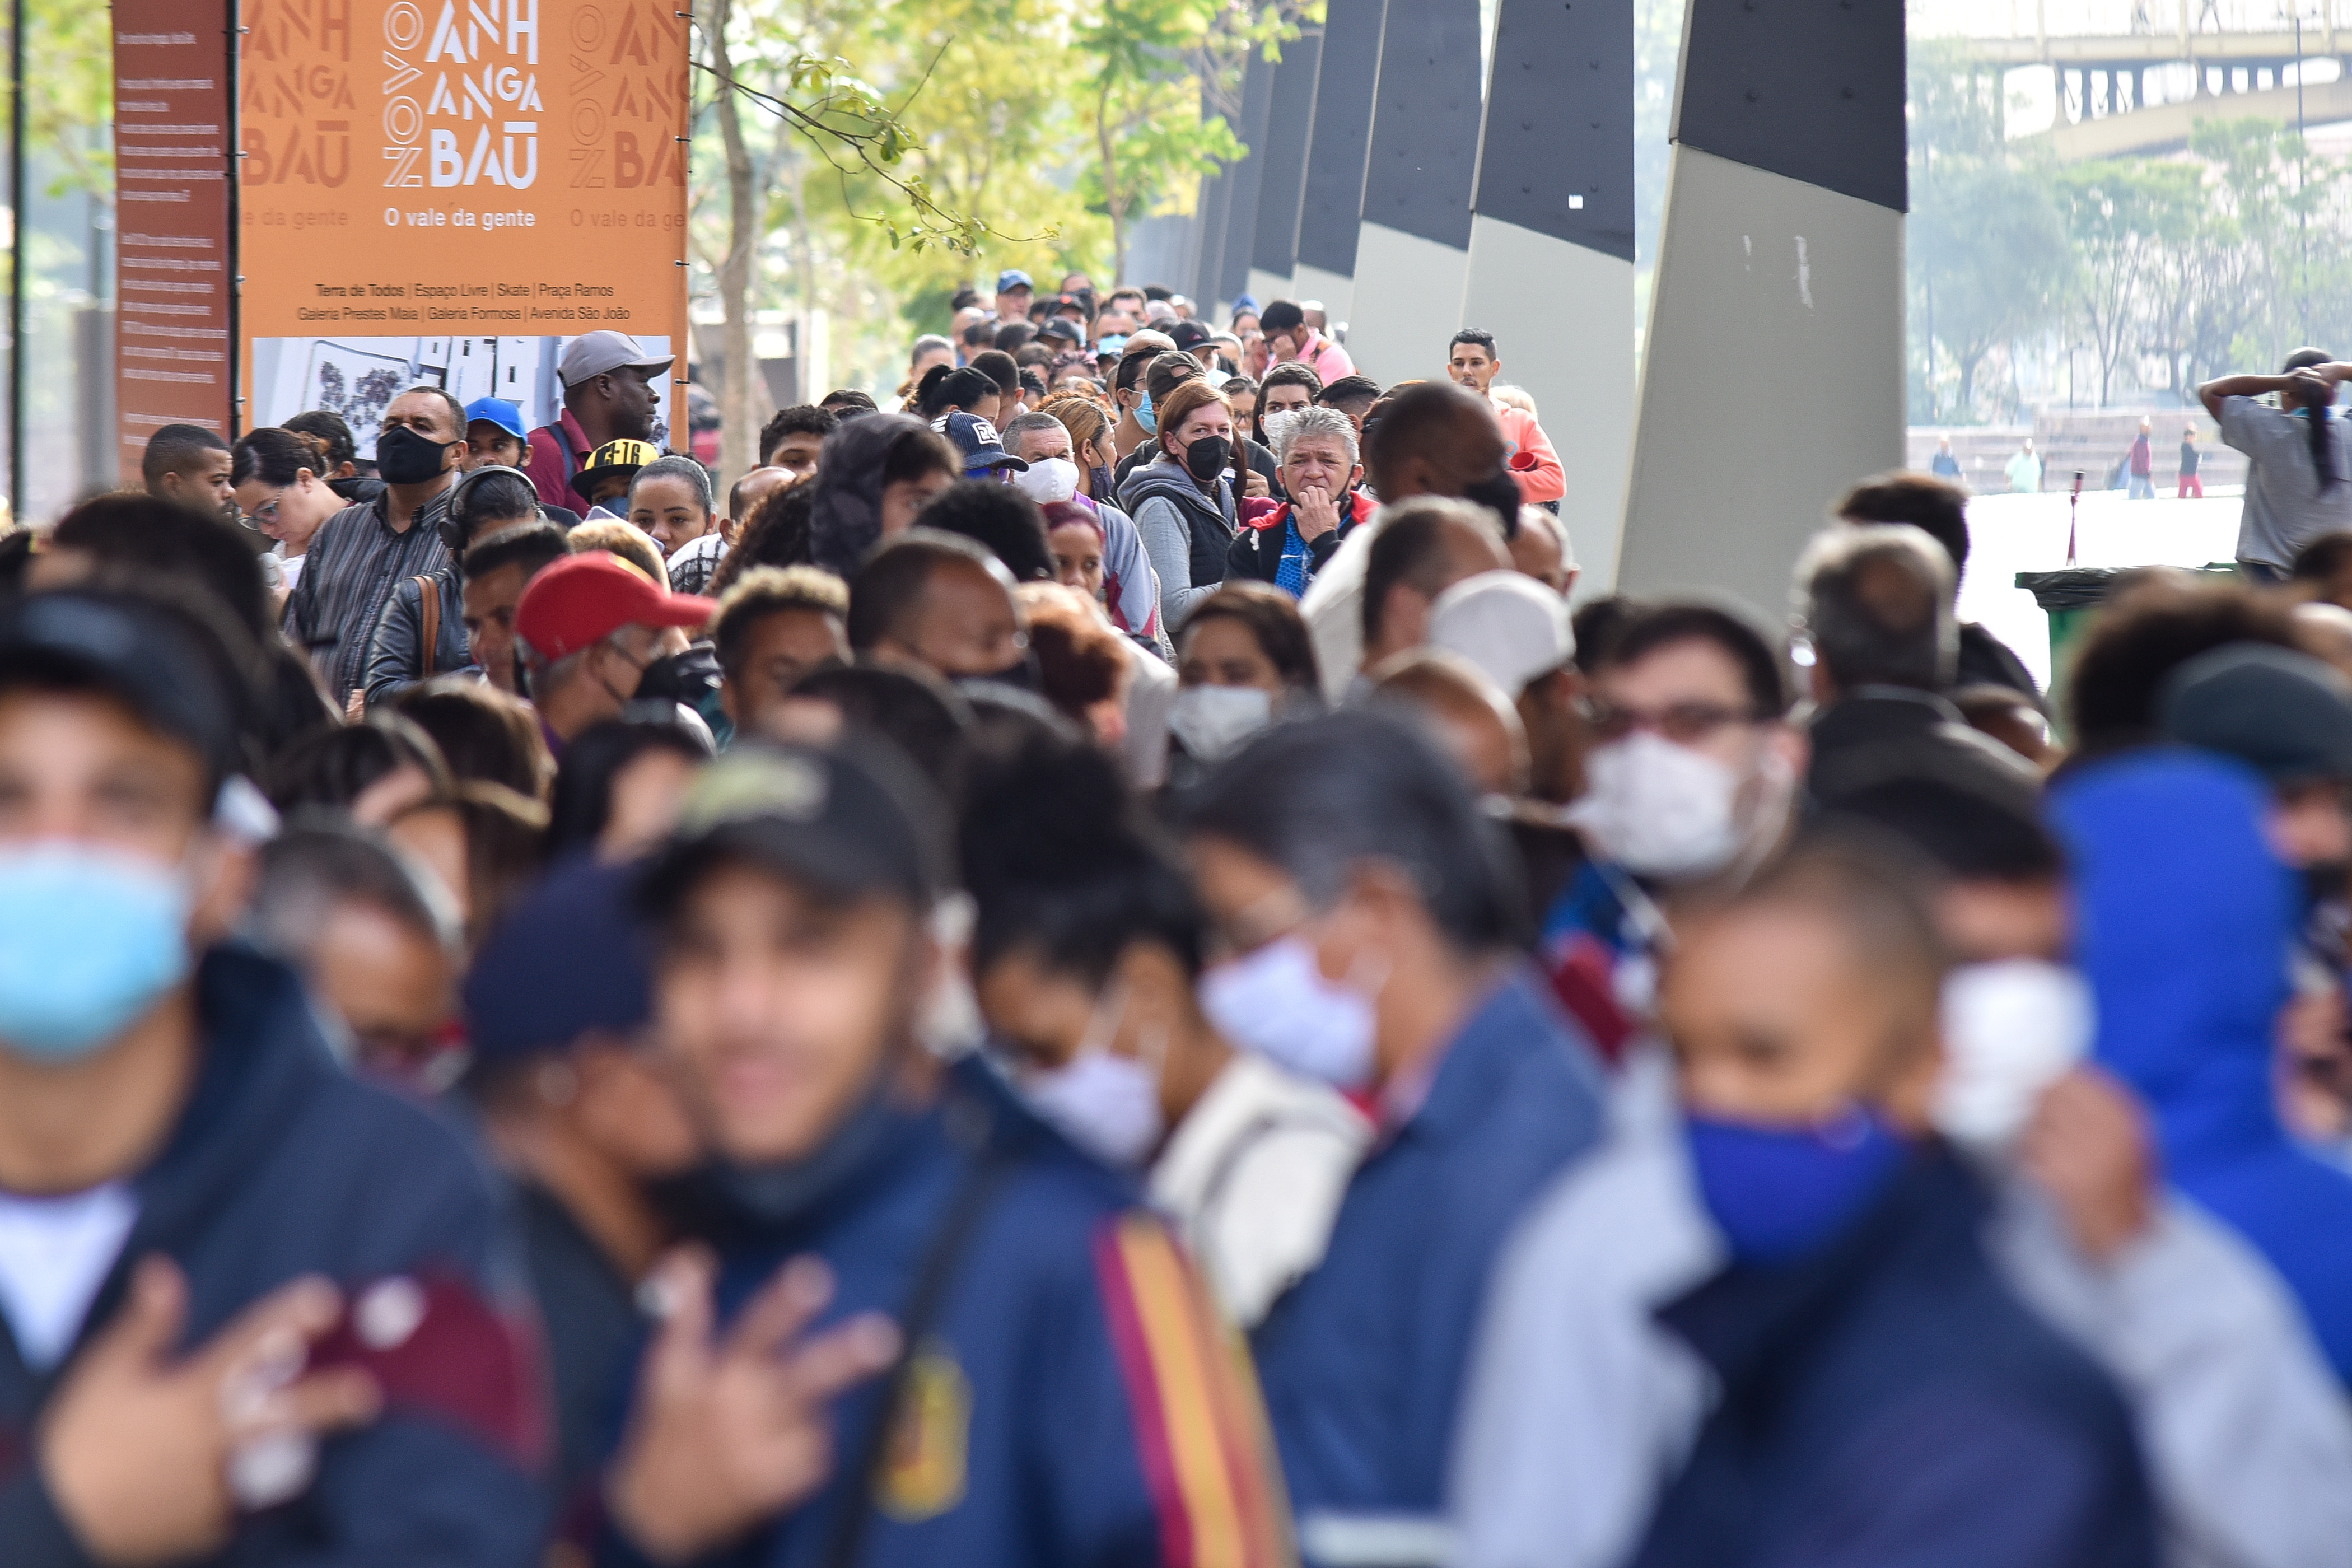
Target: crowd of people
<point x="1095" y="968"/>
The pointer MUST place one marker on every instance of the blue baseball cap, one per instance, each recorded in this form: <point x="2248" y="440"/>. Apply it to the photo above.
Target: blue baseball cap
<point x="499" y="411"/>
<point x="1014" y="278"/>
<point x="981" y="447"/>
<point x="569" y="961"/>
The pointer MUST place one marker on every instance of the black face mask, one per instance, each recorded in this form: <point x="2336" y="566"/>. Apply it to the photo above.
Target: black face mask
<point x="1206" y="457"/>
<point x="1498" y="493"/>
<point x="688" y="678"/>
<point x="404" y="457"/>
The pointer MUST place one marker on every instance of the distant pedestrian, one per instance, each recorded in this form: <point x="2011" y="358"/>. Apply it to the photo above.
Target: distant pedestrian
<point x="2142" y="464"/>
<point x="2025" y="470"/>
<point x="2190" y="484"/>
<point x="1945" y="465"/>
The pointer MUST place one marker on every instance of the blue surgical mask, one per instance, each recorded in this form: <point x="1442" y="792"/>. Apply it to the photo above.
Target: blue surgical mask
<point x="1146" y="417"/>
<point x="1777" y="1193"/>
<point x="1276" y="1002"/>
<point x="89" y="940"/>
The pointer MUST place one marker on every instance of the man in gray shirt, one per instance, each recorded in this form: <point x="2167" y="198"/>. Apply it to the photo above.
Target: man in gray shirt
<point x="2298" y="458"/>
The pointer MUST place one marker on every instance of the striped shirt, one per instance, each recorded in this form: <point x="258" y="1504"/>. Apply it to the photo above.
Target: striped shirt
<point x="352" y="566"/>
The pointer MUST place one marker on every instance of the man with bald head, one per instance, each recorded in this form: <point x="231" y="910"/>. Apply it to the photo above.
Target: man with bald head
<point x="1433" y="439"/>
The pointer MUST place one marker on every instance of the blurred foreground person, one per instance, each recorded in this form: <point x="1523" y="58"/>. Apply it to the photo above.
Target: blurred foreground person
<point x="577" y="1105"/>
<point x="1791" y="1349"/>
<point x="1088" y="947"/>
<point x="1364" y="912"/>
<point x="248" y="1297"/>
<point x="1056" y="1390"/>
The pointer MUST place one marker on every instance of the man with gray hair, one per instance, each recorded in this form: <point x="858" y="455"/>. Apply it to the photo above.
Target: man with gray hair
<point x="1876" y="606"/>
<point x="1286" y="543"/>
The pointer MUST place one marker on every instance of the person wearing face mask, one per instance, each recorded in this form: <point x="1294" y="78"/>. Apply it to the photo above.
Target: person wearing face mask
<point x="1761" y="1219"/>
<point x="1244" y="661"/>
<point x="1691" y="778"/>
<point x="1183" y="501"/>
<point x="942" y="603"/>
<point x="1050" y="441"/>
<point x="365" y="552"/>
<point x="2237" y="1414"/>
<point x="589" y="629"/>
<point x="1162" y="374"/>
<point x="1364" y="910"/>
<point x="197" y="1203"/>
<point x="1086" y="951"/>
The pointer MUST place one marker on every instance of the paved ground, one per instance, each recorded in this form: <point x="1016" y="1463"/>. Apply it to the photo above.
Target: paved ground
<point x="2009" y="534"/>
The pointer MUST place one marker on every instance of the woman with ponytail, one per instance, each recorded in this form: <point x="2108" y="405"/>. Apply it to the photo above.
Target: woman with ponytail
<point x="2298" y="458"/>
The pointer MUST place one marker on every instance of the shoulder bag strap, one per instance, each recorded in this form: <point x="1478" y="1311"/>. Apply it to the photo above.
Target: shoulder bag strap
<point x="981" y="1185"/>
<point x="428" y="592"/>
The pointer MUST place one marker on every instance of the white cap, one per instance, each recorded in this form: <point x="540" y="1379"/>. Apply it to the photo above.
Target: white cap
<point x="1508" y="625"/>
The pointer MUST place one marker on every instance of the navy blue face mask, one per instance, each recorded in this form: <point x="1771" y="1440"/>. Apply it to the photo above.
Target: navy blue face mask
<point x="1778" y="1193"/>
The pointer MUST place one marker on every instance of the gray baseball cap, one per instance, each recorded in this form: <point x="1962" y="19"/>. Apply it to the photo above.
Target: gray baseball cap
<point x="597" y="353"/>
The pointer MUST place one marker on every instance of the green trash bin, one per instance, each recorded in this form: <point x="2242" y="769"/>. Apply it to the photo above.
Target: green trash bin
<point x="2069" y="596"/>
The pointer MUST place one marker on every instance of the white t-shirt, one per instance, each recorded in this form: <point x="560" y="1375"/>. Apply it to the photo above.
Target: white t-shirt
<point x="54" y="1255"/>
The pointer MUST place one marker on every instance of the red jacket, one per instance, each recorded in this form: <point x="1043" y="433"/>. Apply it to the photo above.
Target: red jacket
<point x="550" y="467"/>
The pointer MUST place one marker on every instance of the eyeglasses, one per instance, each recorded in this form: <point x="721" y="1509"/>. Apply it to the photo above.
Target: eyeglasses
<point x="267" y="512"/>
<point x="1683" y="723"/>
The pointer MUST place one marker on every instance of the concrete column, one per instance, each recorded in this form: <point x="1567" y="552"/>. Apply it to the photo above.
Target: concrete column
<point x="1781" y="275"/>
<point x="1241" y="209"/>
<point x="1216" y="203"/>
<point x="1413" y="248"/>
<point x="1331" y="201"/>
<point x="1551" y="248"/>
<point x="1274" y="253"/>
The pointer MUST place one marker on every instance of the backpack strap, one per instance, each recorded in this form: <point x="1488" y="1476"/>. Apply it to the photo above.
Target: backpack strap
<point x="429" y="595"/>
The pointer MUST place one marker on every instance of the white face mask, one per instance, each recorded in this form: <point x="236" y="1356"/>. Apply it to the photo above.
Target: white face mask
<point x="1047" y="480"/>
<point x="2010" y="1030"/>
<point x="1659" y="809"/>
<point x="1276" y="1002"/>
<point x="1213" y="720"/>
<point x="1107" y="1104"/>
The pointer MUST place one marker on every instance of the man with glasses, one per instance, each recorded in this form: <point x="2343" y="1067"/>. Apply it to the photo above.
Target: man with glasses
<point x="1691" y="778"/>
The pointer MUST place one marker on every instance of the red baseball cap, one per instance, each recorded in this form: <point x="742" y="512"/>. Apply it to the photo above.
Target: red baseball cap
<point x="583" y="599"/>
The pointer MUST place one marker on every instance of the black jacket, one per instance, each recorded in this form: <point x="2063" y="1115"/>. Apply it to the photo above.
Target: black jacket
<point x="1886" y="1401"/>
<point x="1257" y="549"/>
<point x="1886" y="732"/>
<point x="283" y="1164"/>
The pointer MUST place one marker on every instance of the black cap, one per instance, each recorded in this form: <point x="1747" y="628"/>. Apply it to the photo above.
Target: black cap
<point x="850" y="821"/>
<point x="569" y="961"/>
<point x="2285" y="714"/>
<point x="1066" y="332"/>
<point x="1189" y="335"/>
<point x="134" y="650"/>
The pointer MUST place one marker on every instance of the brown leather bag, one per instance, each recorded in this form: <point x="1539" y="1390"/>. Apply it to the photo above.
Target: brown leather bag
<point x="428" y="590"/>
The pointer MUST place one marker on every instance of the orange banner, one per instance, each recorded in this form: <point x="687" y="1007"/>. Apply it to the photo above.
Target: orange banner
<point x="448" y="191"/>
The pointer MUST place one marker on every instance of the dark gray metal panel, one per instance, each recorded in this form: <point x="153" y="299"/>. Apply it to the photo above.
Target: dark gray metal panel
<point x="1559" y="122"/>
<point x="1241" y="212"/>
<point x="1283" y="177"/>
<point x="1332" y="203"/>
<point x="1809" y="89"/>
<point x="1425" y="119"/>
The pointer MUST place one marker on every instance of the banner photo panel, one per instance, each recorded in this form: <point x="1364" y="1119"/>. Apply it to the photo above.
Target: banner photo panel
<point x="449" y="191"/>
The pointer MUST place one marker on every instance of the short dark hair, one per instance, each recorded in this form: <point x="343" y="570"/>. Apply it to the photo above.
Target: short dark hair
<point x="448" y="401"/>
<point x="1350" y="389"/>
<point x="766" y="591"/>
<point x="334" y="767"/>
<point x="2324" y="557"/>
<point x="1281" y="316"/>
<point x="1878" y="606"/>
<point x="485" y="734"/>
<point x="924" y="716"/>
<point x="889" y="591"/>
<point x="276" y="456"/>
<point x="998" y="366"/>
<point x="533" y="546"/>
<point x="176" y="447"/>
<point x="182" y="543"/>
<point x="328" y="427"/>
<point x="321" y="861"/>
<point x="1060" y="861"/>
<point x="1936" y="508"/>
<point x="1015" y="335"/>
<point x="945" y="389"/>
<point x="1650" y="627"/>
<point x="491" y="496"/>
<point x="1272" y="617"/>
<point x="999" y="518"/>
<point x="1320" y="798"/>
<point x="775" y="534"/>
<point x="1412" y="549"/>
<point x="1596" y="623"/>
<point x="800" y="419"/>
<point x="846" y="402"/>
<point x="2144" y="634"/>
<point x="1478" y="335"/>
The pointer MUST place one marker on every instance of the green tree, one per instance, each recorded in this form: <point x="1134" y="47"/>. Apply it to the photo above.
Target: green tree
<point x="1989" y="261"/>
<point x="2121" y="214"/>
<point x="1151" y="138"/>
